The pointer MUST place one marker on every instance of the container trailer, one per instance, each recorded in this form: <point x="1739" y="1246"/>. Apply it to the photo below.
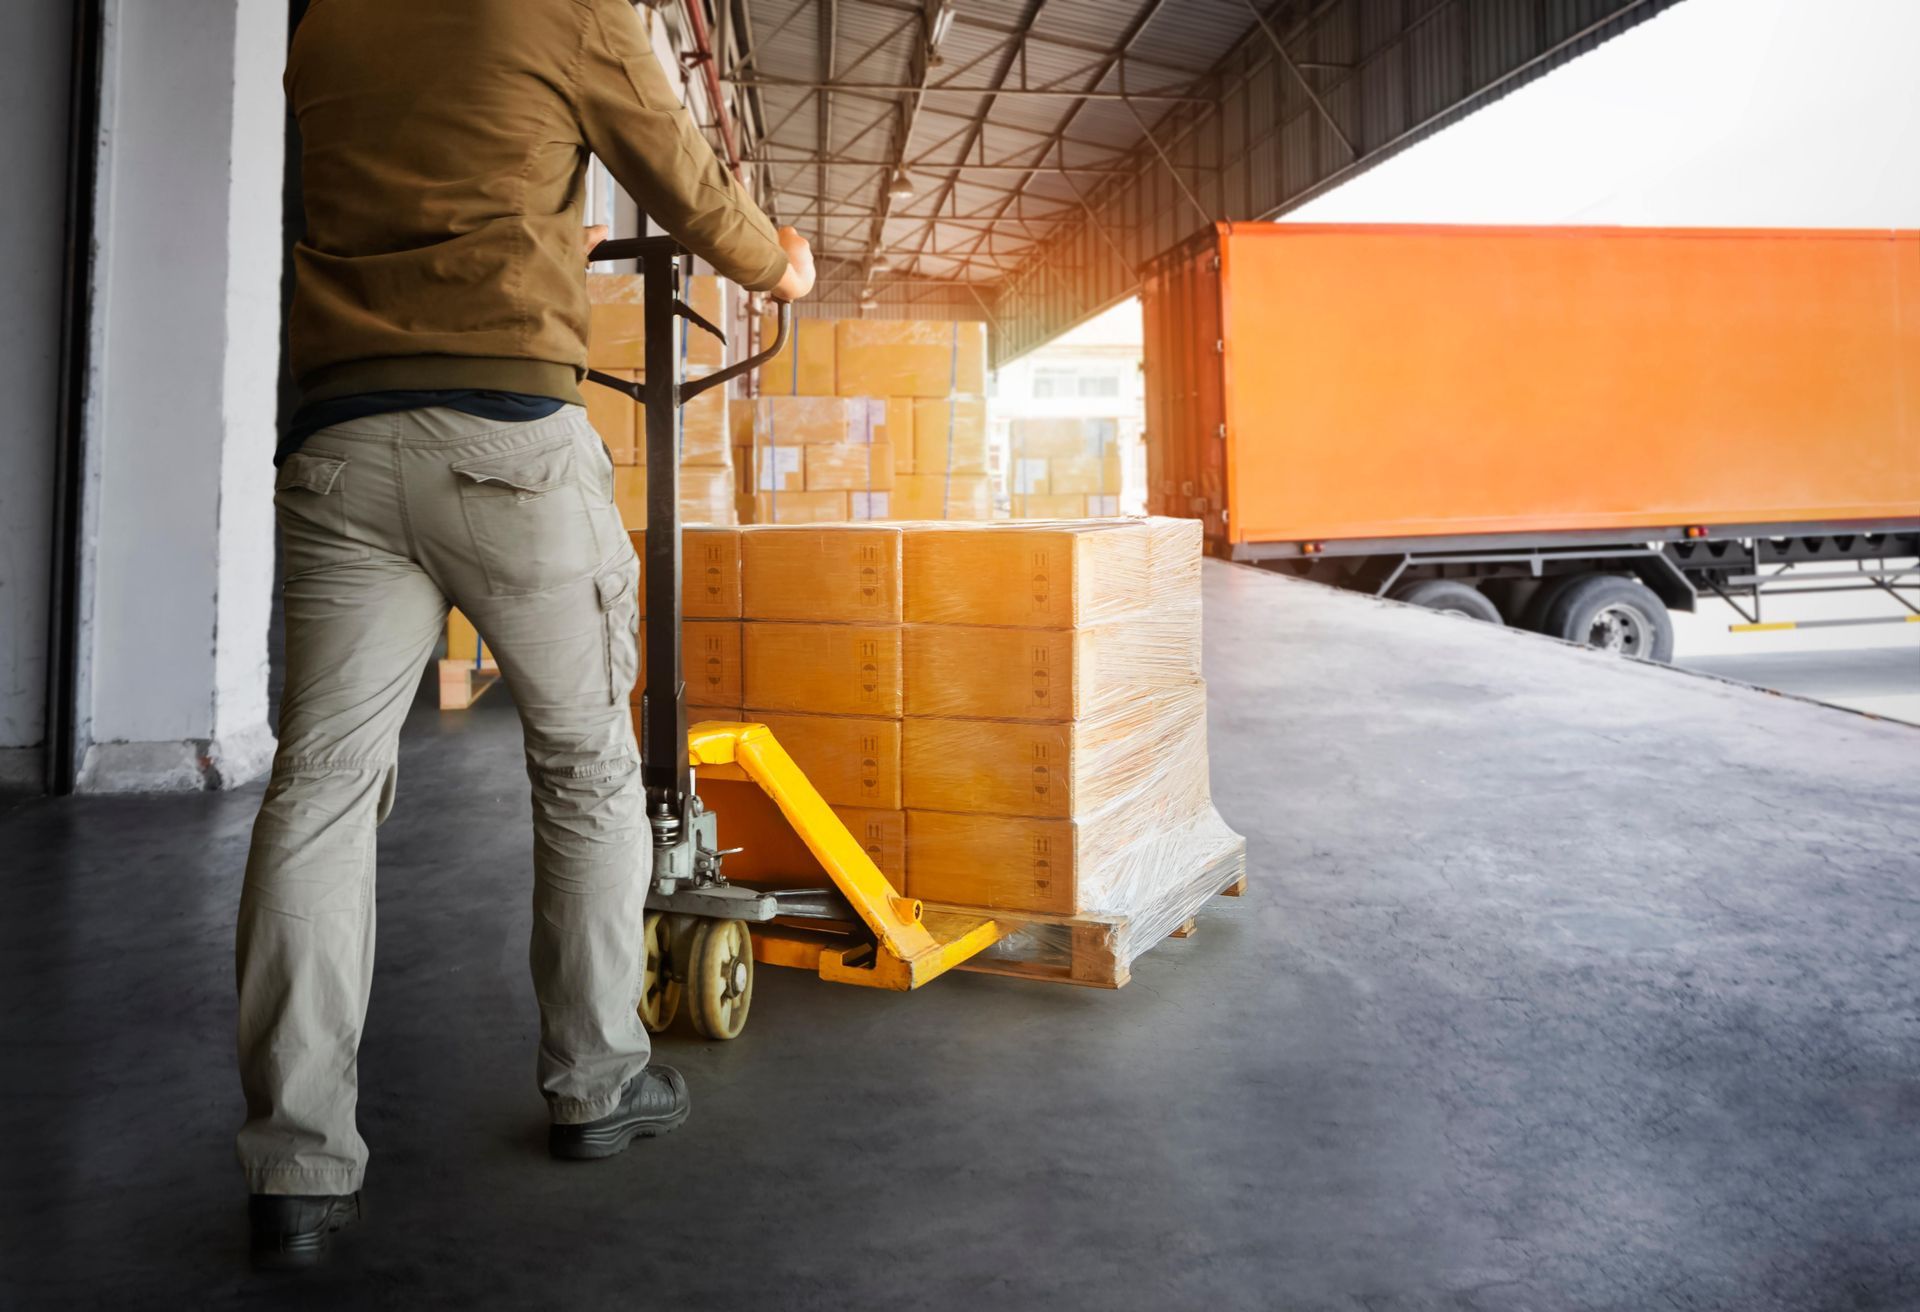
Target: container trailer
<point x="1575" y="430"/>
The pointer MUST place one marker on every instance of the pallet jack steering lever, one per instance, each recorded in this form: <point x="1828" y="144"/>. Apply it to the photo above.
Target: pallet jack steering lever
<point x="701" y="932"/>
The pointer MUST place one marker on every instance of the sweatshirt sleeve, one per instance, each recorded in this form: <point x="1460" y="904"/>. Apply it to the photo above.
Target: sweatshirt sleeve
<point x="633" y="122"/>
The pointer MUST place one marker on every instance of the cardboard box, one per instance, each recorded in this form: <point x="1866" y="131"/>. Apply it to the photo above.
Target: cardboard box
<point x="950" y="436"/>
<point x="1050" y="506"/>
<point x="823" y="669"/>
<point x="1005" y="862"/>
<point x="1059" y="770"/>
<point x="706" y="495"/>
<point x="869" y="505"/>
<point x="774" y="856"/>
<point x="936" y="496"/>
<point x="709" y="663"/>
<point x="1041" y="575"/>
<point x="709" y="572"/>
<point x="616" y="326"/>
<point x="1105" y="506"/>
<point x="780" y="469"/>
<point x="1028" y="478"/>
<point x="800" y="508"/>
<point x="615" y="417"/>
<point x="852" y="761"/>
<point x="845" y="575"/>
<point x="630" y="494"/>
<point x="704" y="439"/>
<point x="783" y="421"/>
<point x="849" y="467"/>
<point x="1045" y="439"/>
<point x="897" y="432"/>
<point x="705" y="295"/>
<point x="1078" y="475"/>
<point x="805" y="366"/>
<point x="963" y="671"/>
<point x="911" y="357"/>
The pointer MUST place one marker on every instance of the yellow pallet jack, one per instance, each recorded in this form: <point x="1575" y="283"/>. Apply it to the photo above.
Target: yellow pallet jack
<point x="703" y="934"/>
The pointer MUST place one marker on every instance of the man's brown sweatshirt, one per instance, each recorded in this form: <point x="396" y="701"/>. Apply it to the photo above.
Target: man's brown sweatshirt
<point x="444" y="148"/>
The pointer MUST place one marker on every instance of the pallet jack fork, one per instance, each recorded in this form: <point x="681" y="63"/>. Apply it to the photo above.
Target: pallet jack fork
<point x="703" y="933"/>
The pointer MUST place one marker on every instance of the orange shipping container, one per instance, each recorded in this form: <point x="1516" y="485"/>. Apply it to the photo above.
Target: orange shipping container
<point x="1397" y="382"/>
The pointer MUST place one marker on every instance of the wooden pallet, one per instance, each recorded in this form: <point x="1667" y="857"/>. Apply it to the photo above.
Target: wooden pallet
<point x="462" y="682"/>
<point x="1097" y="951"/>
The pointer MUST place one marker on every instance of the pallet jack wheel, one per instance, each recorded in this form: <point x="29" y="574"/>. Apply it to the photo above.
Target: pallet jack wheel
<point x="659" y="990"/>
<point x="720" y="977"/>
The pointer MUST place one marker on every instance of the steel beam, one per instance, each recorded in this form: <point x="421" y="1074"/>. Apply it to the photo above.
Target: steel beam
<point x="937" y="88"/>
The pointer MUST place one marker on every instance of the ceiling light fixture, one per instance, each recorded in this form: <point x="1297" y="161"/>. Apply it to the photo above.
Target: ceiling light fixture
<point x="939" y="23"/>
<point x="901" y="188"/>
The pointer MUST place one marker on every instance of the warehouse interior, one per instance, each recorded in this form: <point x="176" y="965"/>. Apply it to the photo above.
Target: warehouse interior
<point x="1502" y="973"/>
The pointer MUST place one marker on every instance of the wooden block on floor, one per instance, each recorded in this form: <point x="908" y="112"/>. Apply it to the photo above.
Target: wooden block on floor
<point x="1186" y="928"/>
<point x="462" y="682"/>
<point x="1236" y="888"/>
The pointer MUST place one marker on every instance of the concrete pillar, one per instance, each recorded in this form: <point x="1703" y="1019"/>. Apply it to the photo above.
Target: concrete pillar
<point x="177" y="575"/>
<point x="35" y="41"/>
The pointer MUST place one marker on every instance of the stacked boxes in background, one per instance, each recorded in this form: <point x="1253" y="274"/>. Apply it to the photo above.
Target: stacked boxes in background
<point x="907" y="441"/>
<point x="617" y="345"/>
<point x="1064" y="468"/>
<point x="820" y="459"/>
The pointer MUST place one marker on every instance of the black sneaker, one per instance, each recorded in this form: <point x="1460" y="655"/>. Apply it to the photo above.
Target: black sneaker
<point x="293" y="1229"/>
<point x="653" y="1103"/>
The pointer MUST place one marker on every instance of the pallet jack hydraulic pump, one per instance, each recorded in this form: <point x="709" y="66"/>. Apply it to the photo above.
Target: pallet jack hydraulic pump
<point x="703" y="933"/>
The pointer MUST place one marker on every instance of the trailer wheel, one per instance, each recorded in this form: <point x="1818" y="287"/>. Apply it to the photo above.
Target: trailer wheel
<point x="1611" y="613"/>
<point x="1546" y="597"/>
<point x="1450" y="596"/>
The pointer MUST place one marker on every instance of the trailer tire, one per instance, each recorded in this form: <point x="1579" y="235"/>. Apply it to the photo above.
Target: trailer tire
<point x="1449" y="596"/>
<point x="1545" y="597"/>
<point x="1609" y="612"/>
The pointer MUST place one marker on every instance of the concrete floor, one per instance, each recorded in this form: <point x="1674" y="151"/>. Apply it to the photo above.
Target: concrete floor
<point x="1883" y="681"/>
<point x="1562" y="983"/>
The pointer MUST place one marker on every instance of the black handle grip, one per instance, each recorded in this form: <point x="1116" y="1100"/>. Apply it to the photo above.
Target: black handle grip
<point x="783" y="322"/>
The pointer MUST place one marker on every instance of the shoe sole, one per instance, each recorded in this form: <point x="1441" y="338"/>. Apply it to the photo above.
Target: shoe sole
<point x="612" y="1140"/>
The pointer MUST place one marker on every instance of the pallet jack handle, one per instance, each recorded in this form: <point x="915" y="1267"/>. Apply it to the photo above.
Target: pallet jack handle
<point x="666" y="769"/>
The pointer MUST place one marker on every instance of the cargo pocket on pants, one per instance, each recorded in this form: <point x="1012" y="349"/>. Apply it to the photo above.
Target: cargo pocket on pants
<point x="619" y="593"/>
<point x="310" y="503"/>
<point x="528" y="517"/>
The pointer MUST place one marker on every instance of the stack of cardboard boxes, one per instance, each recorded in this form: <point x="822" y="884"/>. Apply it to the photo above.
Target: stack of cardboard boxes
<point x="1008" y="716"/>
<point x="871" y="420"/>
<point x="617" y="345"/>
<point x="1063" y="468"/>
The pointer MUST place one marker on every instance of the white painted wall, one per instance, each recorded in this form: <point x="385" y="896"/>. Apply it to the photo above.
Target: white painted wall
<point x="35" y="40"/>
<point x="178" y="582"/>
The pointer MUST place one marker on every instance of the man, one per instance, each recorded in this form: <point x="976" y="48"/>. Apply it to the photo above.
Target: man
<point x="441" y="454"/>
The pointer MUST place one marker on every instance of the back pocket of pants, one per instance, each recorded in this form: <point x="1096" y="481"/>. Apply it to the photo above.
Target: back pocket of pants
<point x="529" y="519"/>
<point x="310" y="503"/>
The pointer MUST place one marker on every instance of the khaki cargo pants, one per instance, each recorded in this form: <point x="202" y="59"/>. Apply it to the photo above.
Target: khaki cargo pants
<point x="383" y="522"/>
